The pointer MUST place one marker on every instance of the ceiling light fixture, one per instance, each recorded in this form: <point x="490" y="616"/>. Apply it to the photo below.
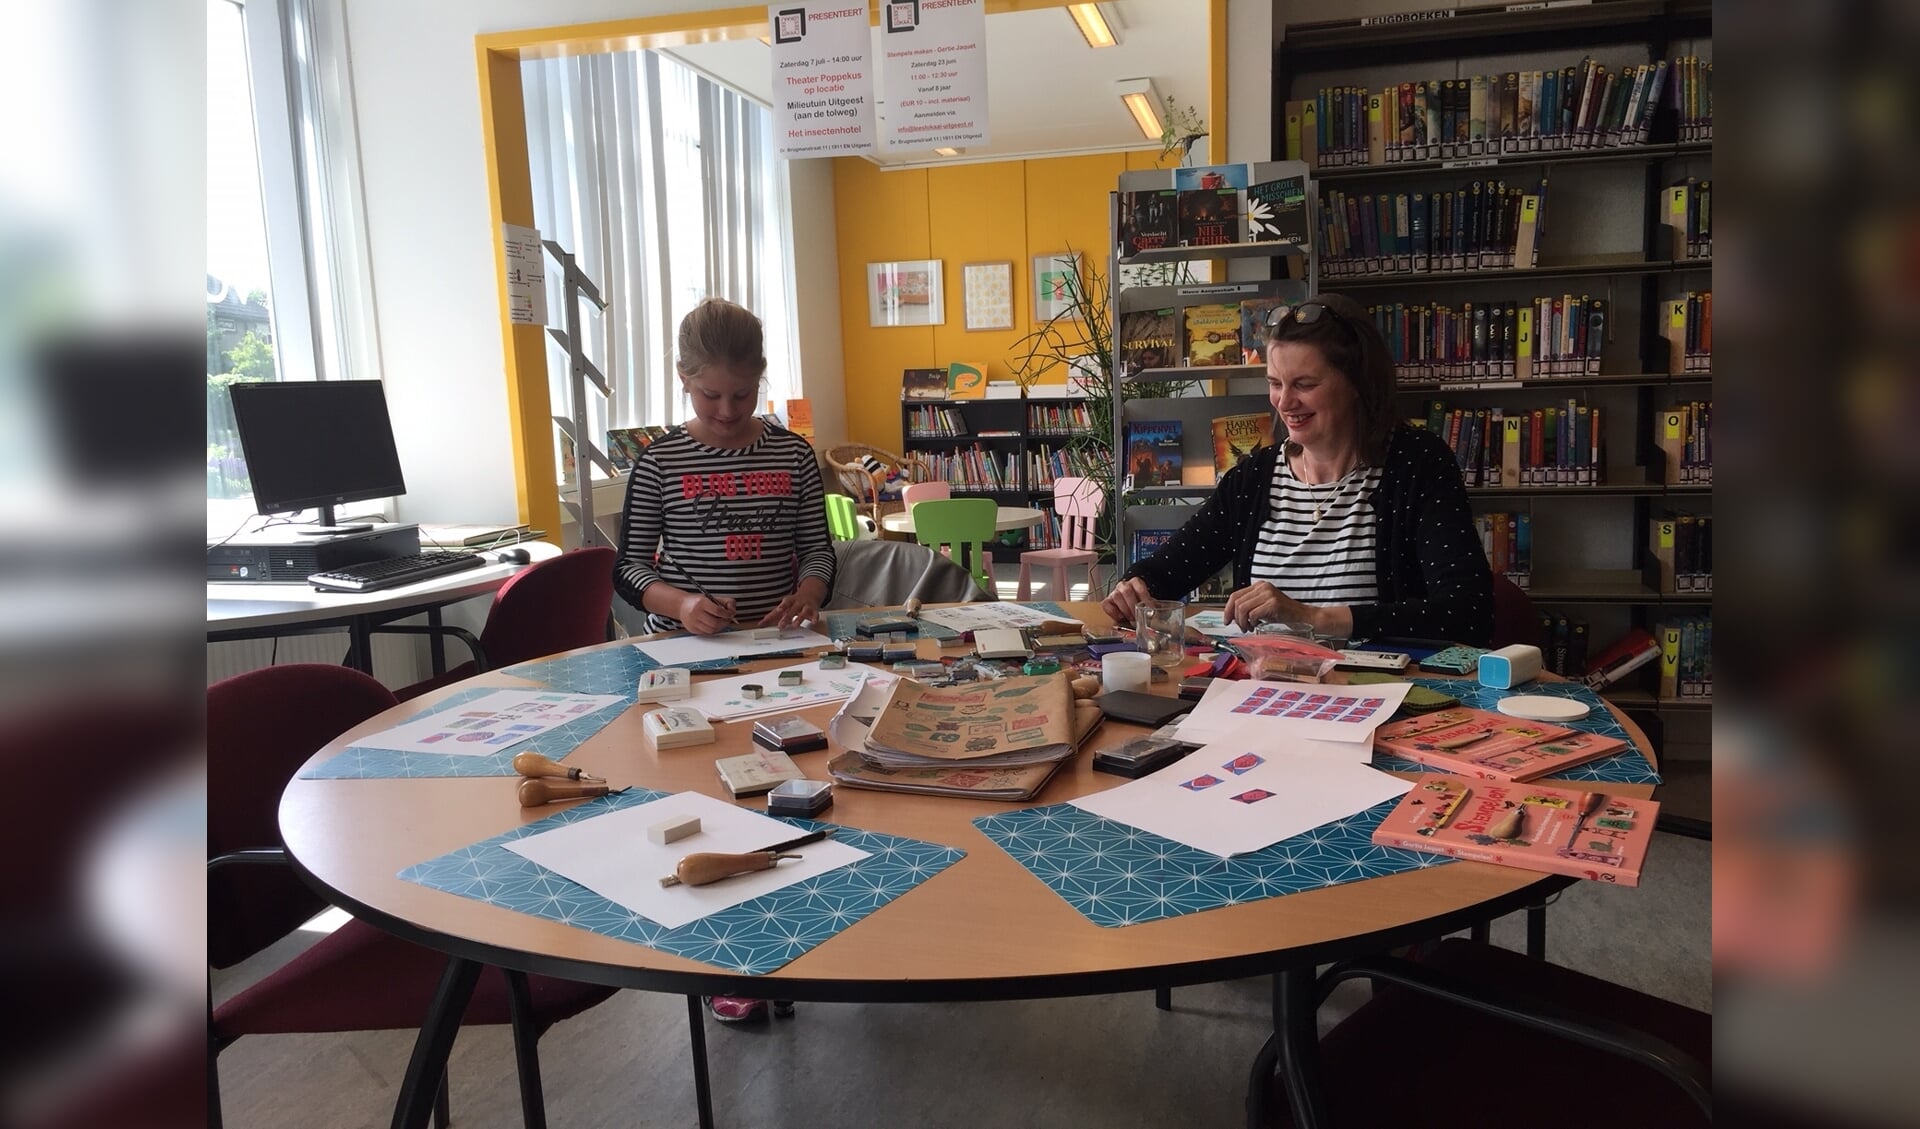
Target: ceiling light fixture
<point x="1093" y="24"/>
<point x="949" y="152"/>
<point x="1143" y="101"/>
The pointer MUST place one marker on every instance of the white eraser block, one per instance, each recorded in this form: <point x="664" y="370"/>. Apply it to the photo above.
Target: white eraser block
<point x="759" y="634"/>
<point x="673" y="830"/>
<point x="1510" y="666"/>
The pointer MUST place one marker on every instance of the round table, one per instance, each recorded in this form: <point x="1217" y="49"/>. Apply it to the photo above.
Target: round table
<point x="982" y="929"/>
<point x="1008" y="518"/>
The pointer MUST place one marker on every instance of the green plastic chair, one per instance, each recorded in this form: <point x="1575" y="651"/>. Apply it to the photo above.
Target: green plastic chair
<point x="965" y="524"/>
<point x="842" y="521"/>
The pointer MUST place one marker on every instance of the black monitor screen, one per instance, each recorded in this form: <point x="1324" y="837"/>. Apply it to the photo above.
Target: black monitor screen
<point x="316" y="443"/>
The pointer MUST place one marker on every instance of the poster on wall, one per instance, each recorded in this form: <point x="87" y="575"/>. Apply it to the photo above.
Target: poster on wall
<point x="933" y="68"/>
<point x="526" y="275"/>
<point x="822" y="78"/>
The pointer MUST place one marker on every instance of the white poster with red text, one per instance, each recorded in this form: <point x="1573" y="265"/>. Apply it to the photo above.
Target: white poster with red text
<point x="933" y="73"/>
<point x="822" y="78"/>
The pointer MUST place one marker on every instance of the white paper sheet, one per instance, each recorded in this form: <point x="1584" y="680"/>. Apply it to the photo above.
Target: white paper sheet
<point x="611" y="855"/>
<point x="489" y="723"/>
<point x="1268" y="713"/>
<point x="1227" y="800"/>
<point x="721" y="699"/>
<point x="976" y="617"/>
<point x="683" y="649"/>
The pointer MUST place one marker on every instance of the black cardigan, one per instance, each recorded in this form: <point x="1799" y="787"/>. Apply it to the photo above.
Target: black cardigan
<point x="1431" y="570"/>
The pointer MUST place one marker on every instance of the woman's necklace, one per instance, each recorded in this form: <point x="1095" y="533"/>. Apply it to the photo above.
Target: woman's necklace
<point x="1336" y="488"/>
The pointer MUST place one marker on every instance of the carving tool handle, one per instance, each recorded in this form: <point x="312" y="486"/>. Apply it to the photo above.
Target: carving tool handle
<point x="535" y="792"/>
<point x="533" y="764"/>
<point x="706" y="867"/>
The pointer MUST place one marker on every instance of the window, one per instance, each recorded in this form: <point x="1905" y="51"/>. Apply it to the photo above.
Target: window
<point x="285" y="249"/>
<point x="663" y="185"/>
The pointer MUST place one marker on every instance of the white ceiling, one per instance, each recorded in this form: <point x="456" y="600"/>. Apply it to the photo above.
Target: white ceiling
<point x="1048" y="93"/>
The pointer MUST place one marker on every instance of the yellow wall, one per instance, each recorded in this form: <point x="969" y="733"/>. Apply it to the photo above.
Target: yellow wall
<point x="958" y="214"/>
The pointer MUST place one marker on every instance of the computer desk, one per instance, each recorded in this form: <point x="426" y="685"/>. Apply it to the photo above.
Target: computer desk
<point x="984" y="929"/>
<point x="260" y="611"/>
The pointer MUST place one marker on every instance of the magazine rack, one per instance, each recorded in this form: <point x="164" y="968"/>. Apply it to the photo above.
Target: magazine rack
<point x="574" y="425"/>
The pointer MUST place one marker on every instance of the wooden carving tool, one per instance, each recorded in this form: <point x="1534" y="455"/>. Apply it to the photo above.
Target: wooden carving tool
<point x="533" y="764"/>
<point x="704" y="867"/>
<point x="538" y="791"/>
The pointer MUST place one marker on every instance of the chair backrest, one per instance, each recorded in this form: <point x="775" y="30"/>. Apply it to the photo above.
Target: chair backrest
<point x="261" y="726"/>
<point x="879" y="574"/>
<point x="965" y="524"/>
<point x="1514" y="620"/>
<point x="926" y="492"/>
<point x="553" y="606"/>
<point x="1078" y="502"/>
<point x="843" y="522"/>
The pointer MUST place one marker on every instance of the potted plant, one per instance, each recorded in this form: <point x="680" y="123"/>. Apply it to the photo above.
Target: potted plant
<point x="1080" y="340"/>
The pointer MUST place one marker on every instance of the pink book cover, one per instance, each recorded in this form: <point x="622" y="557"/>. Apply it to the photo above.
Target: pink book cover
<point x="1586" y="834"/>
<point x="1490" y="745"/>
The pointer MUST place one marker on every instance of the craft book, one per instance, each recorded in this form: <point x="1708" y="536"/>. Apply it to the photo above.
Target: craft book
<point x="1559" y="830"/>
<point x="1491" y="745"/>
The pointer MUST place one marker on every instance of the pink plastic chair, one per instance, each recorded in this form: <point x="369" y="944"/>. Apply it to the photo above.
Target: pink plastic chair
<point x="925" y="492"/>
<point x="1077" y="502"/>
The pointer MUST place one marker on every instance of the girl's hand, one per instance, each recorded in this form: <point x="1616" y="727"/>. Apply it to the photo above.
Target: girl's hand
<point x="703" y="616"/>
<point x="797" y="610"/>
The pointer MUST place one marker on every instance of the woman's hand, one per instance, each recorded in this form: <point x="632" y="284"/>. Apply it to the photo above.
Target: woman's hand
<point x="1125" y="596"/>
<point x="704" y="616"/>
<point x="1260" y="602"/>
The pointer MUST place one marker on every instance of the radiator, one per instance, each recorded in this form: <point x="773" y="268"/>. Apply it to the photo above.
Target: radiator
<point x="398" y="660"/>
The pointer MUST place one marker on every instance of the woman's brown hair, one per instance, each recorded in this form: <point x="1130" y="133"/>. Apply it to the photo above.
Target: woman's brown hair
<point x="1353" y="347"/>
<point x="717" y="332"/>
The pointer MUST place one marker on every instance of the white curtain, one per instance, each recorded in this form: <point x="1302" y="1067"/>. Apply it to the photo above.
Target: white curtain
<point x="664" y="186"/>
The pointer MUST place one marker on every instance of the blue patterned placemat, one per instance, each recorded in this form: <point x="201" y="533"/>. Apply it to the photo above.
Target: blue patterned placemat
<point x="840" y="625"/>
<point x="362" y="763"/>
<point x="1628" y="766"/>
<point x="1120" y="875"/>
<point x="610" y="670"/>
<point x="753" y="938"/>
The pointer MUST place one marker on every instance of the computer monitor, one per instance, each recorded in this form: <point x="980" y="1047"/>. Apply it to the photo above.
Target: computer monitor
<point x="317" y="443"/>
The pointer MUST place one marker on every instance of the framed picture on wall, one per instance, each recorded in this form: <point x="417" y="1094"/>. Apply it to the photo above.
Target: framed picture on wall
<point x="905" y="293"/>
<point x="1056" y="278"/>
<point x="989" y="294"/>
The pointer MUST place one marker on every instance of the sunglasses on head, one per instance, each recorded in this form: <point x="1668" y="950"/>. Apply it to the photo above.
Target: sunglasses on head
<point x="1306" y="313"/>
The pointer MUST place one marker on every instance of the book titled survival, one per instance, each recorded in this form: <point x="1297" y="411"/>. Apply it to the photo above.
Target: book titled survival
<point x="1558" y="830"/>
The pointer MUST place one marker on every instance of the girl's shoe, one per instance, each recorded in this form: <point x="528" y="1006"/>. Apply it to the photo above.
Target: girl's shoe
<point x="736" y="1009"/>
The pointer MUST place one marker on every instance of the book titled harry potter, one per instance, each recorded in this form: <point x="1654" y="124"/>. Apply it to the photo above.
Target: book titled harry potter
<point x="1236" y="437"/>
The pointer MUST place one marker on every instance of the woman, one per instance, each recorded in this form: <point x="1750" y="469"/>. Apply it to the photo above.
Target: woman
<point x="725" y="519"/>
<point x="1356" y="524"/>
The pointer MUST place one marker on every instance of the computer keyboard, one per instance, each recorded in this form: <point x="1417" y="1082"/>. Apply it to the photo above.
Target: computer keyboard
<point x="395" y="571"/>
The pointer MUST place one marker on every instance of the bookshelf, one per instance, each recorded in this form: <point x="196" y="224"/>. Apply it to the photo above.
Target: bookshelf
<point x="1171" y="281"/>
<point x="1007" y="449"/>
<point x="1606" y="235"/>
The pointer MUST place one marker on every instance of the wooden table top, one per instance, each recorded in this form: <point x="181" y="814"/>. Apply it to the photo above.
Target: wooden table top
<point x="983" y="928"/>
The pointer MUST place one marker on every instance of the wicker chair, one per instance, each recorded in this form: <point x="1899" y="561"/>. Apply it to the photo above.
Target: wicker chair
<point x="862" y="470"/>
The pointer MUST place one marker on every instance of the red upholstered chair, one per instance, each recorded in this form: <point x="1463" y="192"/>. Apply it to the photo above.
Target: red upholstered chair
<point x="549" y="607"/>
<point x="261" y="726"/>
<point x="1550" y="1034"/>
<point x="1077" y="502"/>
<point x="1514" y="620"/>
